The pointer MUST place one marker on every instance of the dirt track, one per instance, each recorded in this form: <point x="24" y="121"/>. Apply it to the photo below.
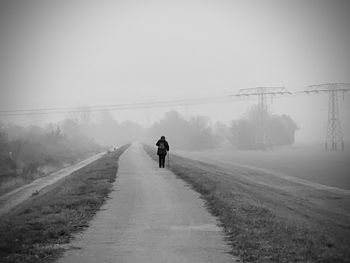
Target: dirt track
<point x="15" y="197"/>
<point x="151" y="217"/>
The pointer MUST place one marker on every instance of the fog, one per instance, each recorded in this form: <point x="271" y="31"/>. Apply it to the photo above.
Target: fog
<point x="80" y="80"/>
<point x="68" y="54"/>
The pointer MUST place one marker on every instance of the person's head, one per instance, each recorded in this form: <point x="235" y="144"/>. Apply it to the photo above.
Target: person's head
<point x="162" y="137"/>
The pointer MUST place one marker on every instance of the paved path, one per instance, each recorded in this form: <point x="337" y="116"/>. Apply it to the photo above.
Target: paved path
<point x="151" y="217"/>
<point x="15" y="197"/>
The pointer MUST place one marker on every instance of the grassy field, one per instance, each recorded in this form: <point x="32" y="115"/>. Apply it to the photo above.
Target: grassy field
<point x="308" y="162"/>
<point x="10" y="180"/>
<point x="40" y="228"/>
<point x="266" y="224"/>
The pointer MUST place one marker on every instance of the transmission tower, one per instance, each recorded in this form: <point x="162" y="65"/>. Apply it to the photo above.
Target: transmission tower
<point x="261" y="138"/>
<point x="334" y="135"/>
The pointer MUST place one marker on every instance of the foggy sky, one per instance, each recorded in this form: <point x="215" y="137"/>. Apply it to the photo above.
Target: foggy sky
<point x="73" y="53"/>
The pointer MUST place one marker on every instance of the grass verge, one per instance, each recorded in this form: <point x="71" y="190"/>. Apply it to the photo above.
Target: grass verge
<point x="38" y="229"/>
<point x="265" y="224"/>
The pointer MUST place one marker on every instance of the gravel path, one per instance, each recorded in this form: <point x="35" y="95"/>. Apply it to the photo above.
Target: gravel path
<point x="151" y="217"/>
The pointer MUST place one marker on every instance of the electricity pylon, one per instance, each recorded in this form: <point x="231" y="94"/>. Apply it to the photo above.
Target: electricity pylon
<point x="334" y="135"/>
<point x="261" y="138"/>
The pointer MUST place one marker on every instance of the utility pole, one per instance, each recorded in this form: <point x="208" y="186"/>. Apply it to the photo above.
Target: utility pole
<point x="334" y="135"/>
<point x="261" y="138"/>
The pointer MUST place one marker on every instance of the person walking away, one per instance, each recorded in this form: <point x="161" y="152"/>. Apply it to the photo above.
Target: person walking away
<point x="163" y="148"/>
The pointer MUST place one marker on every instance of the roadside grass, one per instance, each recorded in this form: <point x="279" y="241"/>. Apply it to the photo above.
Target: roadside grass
<point x="40" y="228"/>
<point x="259" y="221"/>
<point x="10" y="184"/>
<point x="13" y="180"/>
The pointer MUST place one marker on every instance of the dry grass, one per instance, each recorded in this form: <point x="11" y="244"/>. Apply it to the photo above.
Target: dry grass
<point x="16" y="180"/>
<point x="12" y="183"/>
<point x="265" y="224"/>
<point x="36" y="230"/>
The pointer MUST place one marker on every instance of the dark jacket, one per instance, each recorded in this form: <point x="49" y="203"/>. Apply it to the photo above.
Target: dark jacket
<point x="159" y="152"/>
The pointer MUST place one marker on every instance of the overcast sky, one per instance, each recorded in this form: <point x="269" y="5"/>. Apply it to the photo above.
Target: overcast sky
<point x="73" y="53"/>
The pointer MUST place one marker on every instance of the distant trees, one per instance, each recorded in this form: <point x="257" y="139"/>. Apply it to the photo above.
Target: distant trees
<point x="107" y="131"/>
<point x="221" y="134"/>
<point x="25" y="151"/>
<point x="279" y="130"/>
<point x="193" y="134"/>
<point x="201" y="134"/>
<point x="197" y="133"/>
<point x="243" y="134"/>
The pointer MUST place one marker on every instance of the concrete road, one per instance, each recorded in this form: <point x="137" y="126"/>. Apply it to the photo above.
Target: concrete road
<point x="151" y="217"/>
<point x="15" y="197"/>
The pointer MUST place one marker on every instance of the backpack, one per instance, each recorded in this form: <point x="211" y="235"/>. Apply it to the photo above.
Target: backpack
<point x="161" y="148"/>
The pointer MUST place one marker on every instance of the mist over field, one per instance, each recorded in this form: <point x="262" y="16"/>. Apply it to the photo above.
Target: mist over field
<point x="67" y="54"/>
<point x="32" y="149"/>
<point x="77" y="77"/>
<point x="252" y="96"/>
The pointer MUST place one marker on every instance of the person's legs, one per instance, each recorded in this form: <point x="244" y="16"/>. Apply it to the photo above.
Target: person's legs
<point x="163" y="161"/>
<point x="160" y="161"/>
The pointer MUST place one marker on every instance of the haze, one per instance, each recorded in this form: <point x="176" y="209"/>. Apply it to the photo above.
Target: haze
<point x="81" y="53"/>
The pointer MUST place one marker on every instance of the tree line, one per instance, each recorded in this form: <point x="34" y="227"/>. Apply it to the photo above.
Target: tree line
<point x="28" y="151"/>
<point x="31" y="152"/>
<point x="198" y="133"/>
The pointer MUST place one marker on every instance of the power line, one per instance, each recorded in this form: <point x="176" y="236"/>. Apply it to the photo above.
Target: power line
<point x="334" y="134"/>
<point x="115" y="107"/>
<point x="243" y="94"/>
<point x="261" y="138"/>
